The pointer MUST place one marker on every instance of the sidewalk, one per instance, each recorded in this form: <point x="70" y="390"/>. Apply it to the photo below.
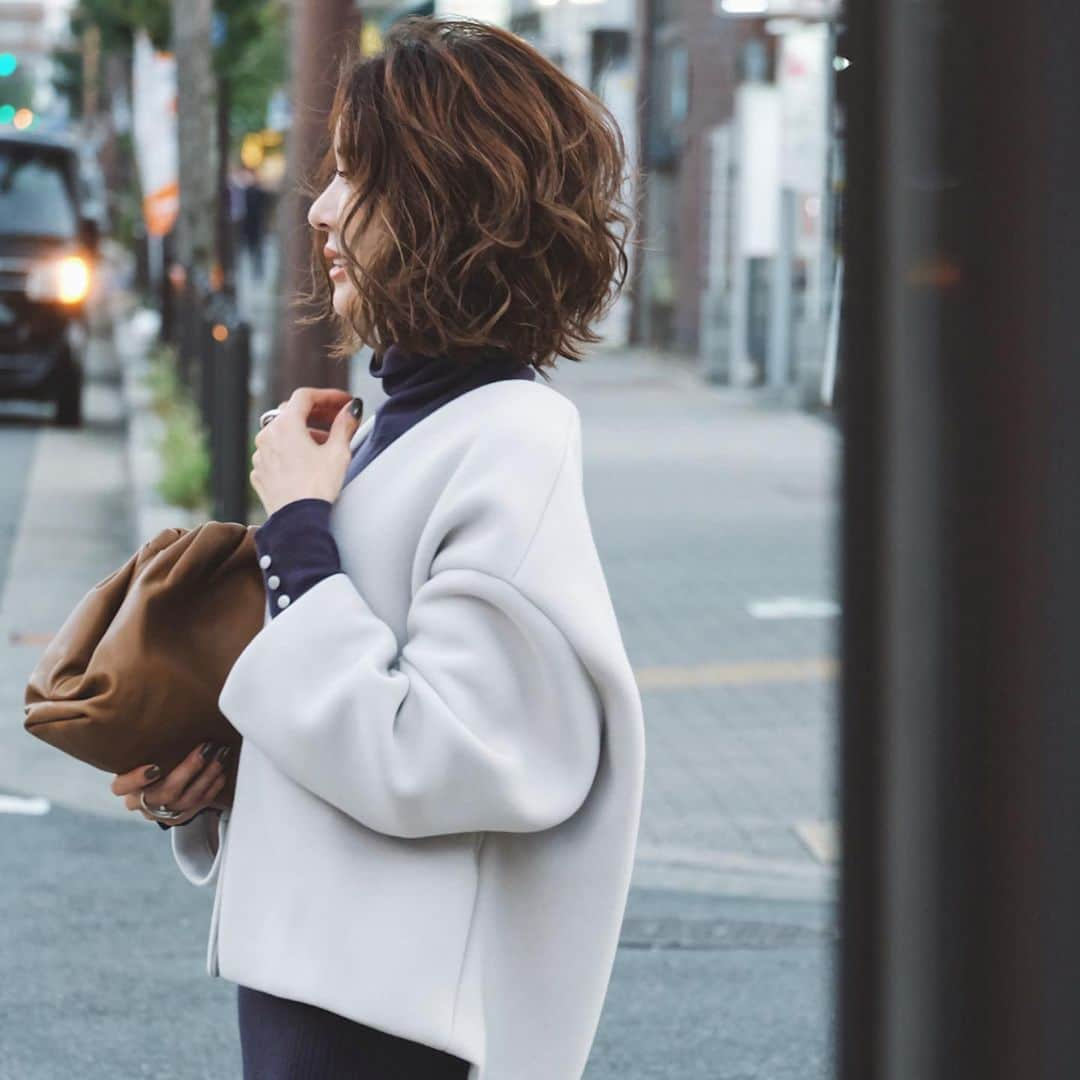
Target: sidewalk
<point x="707" y="509"/>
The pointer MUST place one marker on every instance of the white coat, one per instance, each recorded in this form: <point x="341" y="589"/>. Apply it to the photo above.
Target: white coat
<point x="440" y="784"/>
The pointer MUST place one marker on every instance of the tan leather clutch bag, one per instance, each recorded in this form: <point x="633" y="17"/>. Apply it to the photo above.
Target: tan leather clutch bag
<point x="133" y="676"/>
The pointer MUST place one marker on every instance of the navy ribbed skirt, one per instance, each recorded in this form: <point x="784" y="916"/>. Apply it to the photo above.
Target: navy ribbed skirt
<point x="281" y="1039"/>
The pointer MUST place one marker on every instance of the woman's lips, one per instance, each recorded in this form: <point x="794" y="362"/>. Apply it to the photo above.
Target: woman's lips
<point x="336" y="269"/>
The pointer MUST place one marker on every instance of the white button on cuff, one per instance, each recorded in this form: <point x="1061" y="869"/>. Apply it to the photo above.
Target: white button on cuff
<point x="264" y="561"/>
<point x="283" y="601"/>
<point x="273" y="581"/>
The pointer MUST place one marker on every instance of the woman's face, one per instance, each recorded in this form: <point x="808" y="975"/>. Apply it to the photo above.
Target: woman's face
<point x="327" y="214"/>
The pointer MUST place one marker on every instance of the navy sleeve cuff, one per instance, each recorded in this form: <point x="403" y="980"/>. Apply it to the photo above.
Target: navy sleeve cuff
<point x="296" y="550"/>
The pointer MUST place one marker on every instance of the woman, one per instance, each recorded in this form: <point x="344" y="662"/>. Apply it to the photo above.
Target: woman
<point x="425" y="865"/>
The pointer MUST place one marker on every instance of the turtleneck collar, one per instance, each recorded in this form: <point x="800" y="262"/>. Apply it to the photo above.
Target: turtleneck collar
<point x="411" y="377"/>
<point x="416" y="385"/>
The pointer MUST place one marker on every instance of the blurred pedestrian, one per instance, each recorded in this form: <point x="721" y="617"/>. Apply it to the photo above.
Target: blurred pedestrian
<point x="425" y="866"/>
<point x="253" y="219"/>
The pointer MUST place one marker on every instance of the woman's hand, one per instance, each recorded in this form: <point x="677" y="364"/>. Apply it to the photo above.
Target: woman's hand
<point x="193" y="785"/>
<point x="290" y="462"/>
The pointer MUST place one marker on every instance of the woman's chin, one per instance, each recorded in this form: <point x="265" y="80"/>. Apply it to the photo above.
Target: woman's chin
<point x="342" y="297"/>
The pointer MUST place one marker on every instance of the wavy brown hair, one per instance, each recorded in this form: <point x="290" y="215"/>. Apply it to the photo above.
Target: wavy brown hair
<point x="496" y="183"/>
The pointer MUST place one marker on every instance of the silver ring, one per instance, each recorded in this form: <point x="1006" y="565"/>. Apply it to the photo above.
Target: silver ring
<point x="267" y="417"/>
<point x="162" y="813"/>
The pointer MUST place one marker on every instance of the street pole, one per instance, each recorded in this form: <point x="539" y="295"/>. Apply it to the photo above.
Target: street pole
<point x="319" y="34"/>
<point x="778" y="357"/>
<point x="91" y="73"/>
<point x="960" y="882"/>
<point x="643" y="52"/>
<point x="226" y="249"/>
<point x="196" y="134"/>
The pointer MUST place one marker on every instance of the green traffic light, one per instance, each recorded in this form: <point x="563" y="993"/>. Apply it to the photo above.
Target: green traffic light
<point x="7" y="114"/>
<point x="8" y="63"/>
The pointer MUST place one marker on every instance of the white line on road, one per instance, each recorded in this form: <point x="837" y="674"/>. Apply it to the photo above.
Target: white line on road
<point x="35" y="805"/>
<point x="740" y="674"/>
<point x="822" y="839"/>
<point x="793" y="607"/>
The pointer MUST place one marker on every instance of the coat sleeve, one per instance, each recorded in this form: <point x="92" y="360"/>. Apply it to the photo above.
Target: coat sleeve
<point x="485" y="718"/>
<point x="193" y="848"/>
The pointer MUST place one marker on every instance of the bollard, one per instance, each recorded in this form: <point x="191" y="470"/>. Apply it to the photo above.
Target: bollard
<point x="230" y="373"/>
<point x="187" y="339"/>
<point x="217" y="310"/>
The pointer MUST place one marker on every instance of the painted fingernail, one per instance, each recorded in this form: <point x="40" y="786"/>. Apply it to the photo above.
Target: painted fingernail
<point x="356" y="407"/>
<point x="152" y="772"/>
<point x="207" y="750"/>
<point x="223" y="753"/>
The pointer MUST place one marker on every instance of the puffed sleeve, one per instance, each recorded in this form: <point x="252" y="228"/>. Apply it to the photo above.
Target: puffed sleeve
<point x="194" y="849"/>
<point x="485" y="718"/>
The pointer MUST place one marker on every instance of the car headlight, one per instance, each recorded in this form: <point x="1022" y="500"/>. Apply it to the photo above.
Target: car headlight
<point x="66" y="280"/>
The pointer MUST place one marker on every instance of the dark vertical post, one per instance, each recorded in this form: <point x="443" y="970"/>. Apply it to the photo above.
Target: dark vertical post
<point x="169" y="299"/>
<point x="859" y="968"/>
<point x="961" y="695"/>
<point x="643" y="51"/>
<point x="231" y="371"/>
<point x="226" y="253"/>
<point x="318" y="36"/>
<point x="184" y="306"/>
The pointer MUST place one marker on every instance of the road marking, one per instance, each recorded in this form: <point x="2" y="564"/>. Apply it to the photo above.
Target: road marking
<point x="732" y="861"/>
<point x="793" y="607"/>
<point x="13" y="804"/>
<point x="822" y="839"/>
<point x="673" y="677"/>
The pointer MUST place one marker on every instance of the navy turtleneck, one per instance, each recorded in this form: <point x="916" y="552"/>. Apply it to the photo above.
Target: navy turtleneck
<point x="416" y="385"/>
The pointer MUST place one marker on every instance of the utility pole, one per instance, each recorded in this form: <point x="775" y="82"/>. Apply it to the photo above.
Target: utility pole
<point x="960" y="944"/>
<point x="91" y="69"/>
<point x="643" y="51"/>
<point x="196" y="134"/>
<point x="320" y="31"/>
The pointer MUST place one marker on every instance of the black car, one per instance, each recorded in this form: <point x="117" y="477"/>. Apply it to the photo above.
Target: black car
<point x="48" y="248"/>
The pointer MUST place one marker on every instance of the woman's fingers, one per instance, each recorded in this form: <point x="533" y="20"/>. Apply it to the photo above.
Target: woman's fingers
<point x="190" y="787"/>
<point x="171" y="785"/>
<point x="319" y="404"/>
<point x="192" y="798"/>
<point x="136" y="780"/>
<point x="199" y="790"/>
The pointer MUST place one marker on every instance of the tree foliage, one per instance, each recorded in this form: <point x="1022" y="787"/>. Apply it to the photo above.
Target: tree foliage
<point x="251" y="54"/>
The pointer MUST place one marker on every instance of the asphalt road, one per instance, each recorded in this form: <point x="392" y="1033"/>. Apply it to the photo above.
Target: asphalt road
<point x="104" y="947"/>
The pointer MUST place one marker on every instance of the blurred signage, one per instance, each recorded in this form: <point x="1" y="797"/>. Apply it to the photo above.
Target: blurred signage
<point x="153" y="79"/>
<point x="757" y="151"/>
<point x="802" y="72"/>
<point x="802" y="9"/>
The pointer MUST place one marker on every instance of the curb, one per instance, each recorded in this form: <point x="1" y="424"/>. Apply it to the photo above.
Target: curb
<point x="150" y="513"/>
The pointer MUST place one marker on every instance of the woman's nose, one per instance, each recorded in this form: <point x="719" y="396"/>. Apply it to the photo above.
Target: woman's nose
<point x="319" y="213"/>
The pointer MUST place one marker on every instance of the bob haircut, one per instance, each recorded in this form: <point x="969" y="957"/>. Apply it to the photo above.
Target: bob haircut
<point x="495" y="183"/>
